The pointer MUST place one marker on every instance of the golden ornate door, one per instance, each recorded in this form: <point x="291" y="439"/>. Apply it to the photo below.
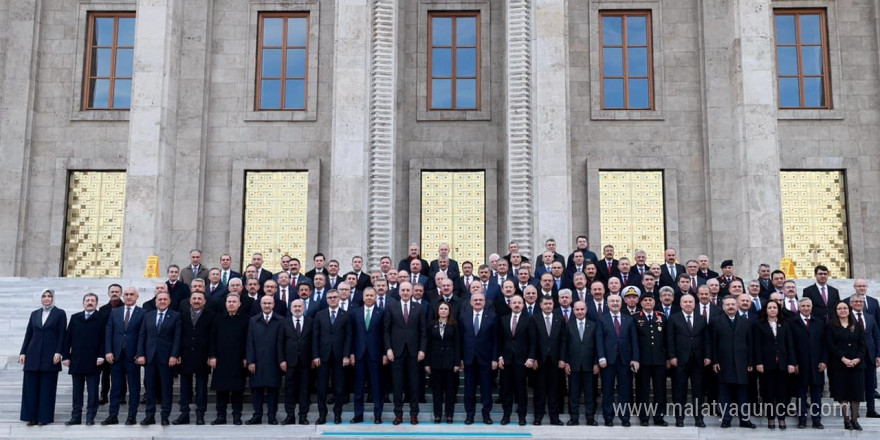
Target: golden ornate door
<point x="454" y="212"/>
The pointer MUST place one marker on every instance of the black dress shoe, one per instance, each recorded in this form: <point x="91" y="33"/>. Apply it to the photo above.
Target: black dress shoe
<point x="818" y="425"/>
<point x="572" y="422"/>
<point x="148" y="421"/>
<point x="131" y="421"/>
<point x="218" y="421"/>
<point x="436" y="420"/>
<point x="802" y="425"/>
<point x="643" y="422"/>
<point x="357" y="419"/>
<point x="321" y="420"/>
<point x="254" y="421"/>
<point x="103" y="401"/>
<point x="469" y="421"/>
<point x="112" y="420"/>
<point x="73" y="422"/>
<point x="592" y="422"/>
<point x="165" y="421"/>
<point x="337" y="419"/>
<point x="200" y="420"/>
<point x="448" y="420"/>
<point x="782" y="425"/>
<point x="747" y="424"/>
<point x="679" y="423"/>
<point x="414" y="420"/>
<point x="847" y="425"/>
<point x="90" y="422"/>
<point x="303" y="421"/>
<point x="42" y="424"/>
<point x="660" y="422"/>
<point x="856" y="425"/>
<point x="236" y="421"/>
<point x="725" y="424"/>
<point x="181" y="420"/>
<point x="397" y="420"/>
<point x="609" y="423"/>
<point x="377" y="421"/>
<point x="557" y="422"/>
<point x="625" y="423"/>
<point x="522" y="422"/>
<point x="872" y="415"/>
<point x="273" y="421"/>
<point x="700" y="424"/>
<point x="505" y="420"/>
<point x="487" y="420"/>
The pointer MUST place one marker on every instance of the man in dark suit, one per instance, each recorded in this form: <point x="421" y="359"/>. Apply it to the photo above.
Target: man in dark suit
<point x="514" y="352"/>
<point x="872" y="306"/>
<point x="318" y="260"/>
<point x="452" y="267"/>
<point x="447" y="296"/>
<point x="871" y="359"/>
<point x="703" y="268"/>
<point x="621" y="361"/>
<point x="178" y="290"/>
<point x="159" y="352"/>
<point x="628" y="277"/>
<point x="692" y="269"/>
<point x="544" y="265"/>
<point x="195" y="268"/>
<point x="296" y="346"/>
<point x="811" y="357"/>
<point x="414" y="254"/>
<point x="546" y="333"/>
<point x="667" y="304"/>
<point x="331" y="347"/>
<point x="215" y="290"/>
<point x="480" y="355"/>
<point x="368" y="355"/>
<point x="596" y="307"/>
<point x="687" y="345"/>
<point x="115" y="294"/>
<point x="262" y="274"/>
<point x="513" y="248"/>
<point x="583" y="347"/>
<point x="363" y="279"/>
<point x="755" y="297"/>
<point x="286" y="292"/>
<point x="121" y="346"/>
<point x="415" y="274"/>
<point x="607" y="267"/>
<point x="83" y="354"/>
<point x="650" y="326"/>
<point x="195" y="332"/>
<point x="577" y="264"/>
<point x="264" y="360"/>
<point x="502" y="274"/>
<point x="582" y="244"/>
<point x="731" y="352"/>
<point x="405" y="344"/>
<point x="670" y="270"/>
<point x="226" y="272"/>
<point x="765" y="281"/>
<point x="823" y="295"/>
<point x="547" y="289"/>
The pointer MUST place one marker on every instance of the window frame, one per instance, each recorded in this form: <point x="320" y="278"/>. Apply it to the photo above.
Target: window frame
<point x="455" y="15"/>
<point x="91" y="46"/>
<point x="826" y="57"/>
<point x="649" y="45"/>
<point x="258" y="77"/>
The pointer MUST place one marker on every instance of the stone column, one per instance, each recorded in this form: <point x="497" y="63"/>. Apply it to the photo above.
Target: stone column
<point x="152" y="134"/>
<point x="552" y="178"/>
<point x="16" y="124"/>
<point x="520" y="222"/>
<point x="349" y="142"/>
<point x="742" y="152"/>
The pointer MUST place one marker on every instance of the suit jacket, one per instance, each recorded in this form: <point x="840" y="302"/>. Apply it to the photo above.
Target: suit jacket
<point x="541" y="344"/>
<point x="178" y="293"/>
<point x="479" y="347"/>
<point x="589" y="256"/>
<point x="186" y="273"/>
<point x="754" y="310"/>
<point x="872" y="307"/>
<point x="404" y="265"/>
<point x="593" y="312"/>
<point x="369" y="343"/>
<point x="444" y="352"/>
<point x="515" y="348"/>
<point x="581" y="354"/>
<point x="331" y="339"/>
<point x="116" y="334"/>
<point x="219" y="292"/>
<point x="708" y="275"/>
<point x="684" y="342"/>
<point x="452" y="271"/>
<point x="673" y="309"/>
<point x="766" y="289"/>
<point x="714" y="311"/>
<point x="666" y="278"/>
<point x="633" y="279"/>
<point x="264" y="275"/>
<point x="872" y="339"/>
<point x="625" y="346"/>
<point x="263" y="349"/>
<point x="279" y="309"/>
<point x="809" y="350"/>
<point x="84" y="342"/>
<point x="652" y="338"/>
<point x="159" y="343"/>
<point x="296" y="347"/>
<point x="724" y="286"/>
<point x="820" y="310"/>
<point x="732" y="348"/>
<point x="194" y="339"/>
<point x="402" y="335"/>
<point x="602" y="269"/>
<point x="42" y="341"/>
<point x="311" y="274"/>
<point x="364" y="281"/>
<point x="772" y="351"/>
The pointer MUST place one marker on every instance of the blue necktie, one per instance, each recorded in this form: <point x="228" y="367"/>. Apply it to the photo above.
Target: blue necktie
<point x="476" y="323"/>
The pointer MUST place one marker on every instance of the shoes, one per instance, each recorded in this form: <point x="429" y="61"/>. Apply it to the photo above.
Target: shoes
<point x="592" y="422"/>
<point x="725" y="424"/>
<point x="487" y="420"/>
<point x="103" y="401"/>
<point x="679" y="423"/>
<point x="200" y="420"/>
<point x="303" y="421"/>
<point x="522" y="422"/>
<point x="625" y="423"/>
<point x="643" y="422"/>
<point x="112" y="420"/>
<point x="856" y="426"/>
<point x="273" y="420"/>
<point x="254" y="421"/>
<point x="236" y="421"/>
<point x="90" y="422"/>
<point x="818" y="425"/>
<point x="321" y="420"/>
<point x="872" y="415"/>
<point x="660" y="422"/>
<point x="782" y="425"/>
<point x="609" y="423"/>
<point x="771" y="424"/>
<point x="42" y="424"/>
<point x="73" y="422"/>
<point x="357" y="419"/>
<point x="747" y="424"/>
<point x="448" y="420"/>
<point x="572" y="422"/>
<point x="537" y="422"/>
<point x="181" y="420"/>
<point x="436" y="420"/>
<point x="147" y="421"/>
<point x="337" y="419"/>
<point x="131" y="421"/>
<point x="847" y="425"/>
<point x="397" y="420"/>
<point x="377" y="421"/>
<point x="700" y="424"/>
<point x="505" y="420"/>
<point x="556" y="422"/>
<point x="414" y="420"/>
<point x="469" y="420"/>
<point x="218" y="421"/>
<point x="165" y="421"/>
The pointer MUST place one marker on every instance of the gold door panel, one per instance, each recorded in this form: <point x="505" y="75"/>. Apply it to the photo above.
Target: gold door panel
<point x="275" y="216"/>
<point x="94" y="225"/>
<point x="631" y="213"/>
<point x="454" y="212"/>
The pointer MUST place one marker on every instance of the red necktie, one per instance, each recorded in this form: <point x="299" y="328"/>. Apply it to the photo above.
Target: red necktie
<point x="616" y="325"/>
<point x="609" y="267"/>
<point x="824" y="296"/>
<point x="513" y="326"/>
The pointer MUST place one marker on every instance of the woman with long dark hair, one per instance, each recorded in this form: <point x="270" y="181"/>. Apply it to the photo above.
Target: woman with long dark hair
<point x="772" y="348"/>
<point x="845" y="340"/>
<point x="443" y="360"/>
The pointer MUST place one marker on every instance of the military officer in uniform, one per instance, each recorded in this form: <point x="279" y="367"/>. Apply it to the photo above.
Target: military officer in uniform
<point x="726" y="278"/>
<point x="650" y="326"/>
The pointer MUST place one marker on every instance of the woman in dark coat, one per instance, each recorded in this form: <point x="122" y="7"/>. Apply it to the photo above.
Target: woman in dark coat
<point x="41" y="357"/>
<point x="227" y="356"/>
<point x="443" y="360"/>
<point x="772" y="348"/>
<point x="846" y="347"/>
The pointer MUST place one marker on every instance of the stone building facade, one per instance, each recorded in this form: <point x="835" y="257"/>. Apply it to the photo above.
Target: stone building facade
<point x="542" y="133"/>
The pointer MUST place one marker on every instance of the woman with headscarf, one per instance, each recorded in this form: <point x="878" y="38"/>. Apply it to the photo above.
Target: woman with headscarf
<point x="41" y="357"/>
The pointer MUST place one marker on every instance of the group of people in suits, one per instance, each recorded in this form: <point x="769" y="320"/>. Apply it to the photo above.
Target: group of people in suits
<point x="561" y="329"/>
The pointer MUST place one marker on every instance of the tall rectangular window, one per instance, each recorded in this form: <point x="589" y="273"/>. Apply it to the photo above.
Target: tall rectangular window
<point x="631" y="212"/>
<point x="814" y="225"/>
<point x="109" y="61"/>
<point x="93" y="230"/>
<point x="626" y="60"/>
<point x="454" y="61"/>
<point x="282" y="61"/>
<point x="802" y="59"/>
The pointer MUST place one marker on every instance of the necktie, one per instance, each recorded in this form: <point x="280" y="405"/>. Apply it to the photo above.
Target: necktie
<point x="548" y="324"/>
<point x="746" y="315"/>
<point x="382" y="302"/>
<point x="405" y="313"/>
<point x="666" y="308"/>
<point x="344" y="305"/>
<point x="641" y="270"/>
<point x="732" y="323"/>
<point x="757" y="304"/>
<point x="161" y="318"/>
<point x="581" y="329"/>
<point x="713" y="300"/>
<point x="694" y="284"/>
<point x="266" y="318"/>
<point x="508" y="300"/>
<point x="547" y="268"/>
<point x="609" y="266"/>
<point x="225" y="278"/>
<point x="476" y="323"/>
<point x="807" y="323"/>
<point x="195" y="271"/>
<point x="513" y="325"/>
<point x="824" y="296"/>
<point x="283" y="295"/>
<point x="367" y="319"/>
<point x="530" y="310"/>
<point x="672" y="272"/>
<point x="616" y="325"/>
<point x="127" y="316"/>
<point x="792" y="306"/>
<point x="485" y="287"/>
<point x="690" y="323"/>
<point x="298" y="327"/>
<point x="332" y="317"/>
<point x="859" y="319"/>
<point x="88" y="315"/>
<point x="600" y="309"/>
<point x="706" y="312"/>
<point x="332" y="282"/>
<point x="212" y="288"/>
<point x="414" y="278"/>
<point x="625" y="277"/>
<point x="566" y="314"/>
<point x="558" y="284"/>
